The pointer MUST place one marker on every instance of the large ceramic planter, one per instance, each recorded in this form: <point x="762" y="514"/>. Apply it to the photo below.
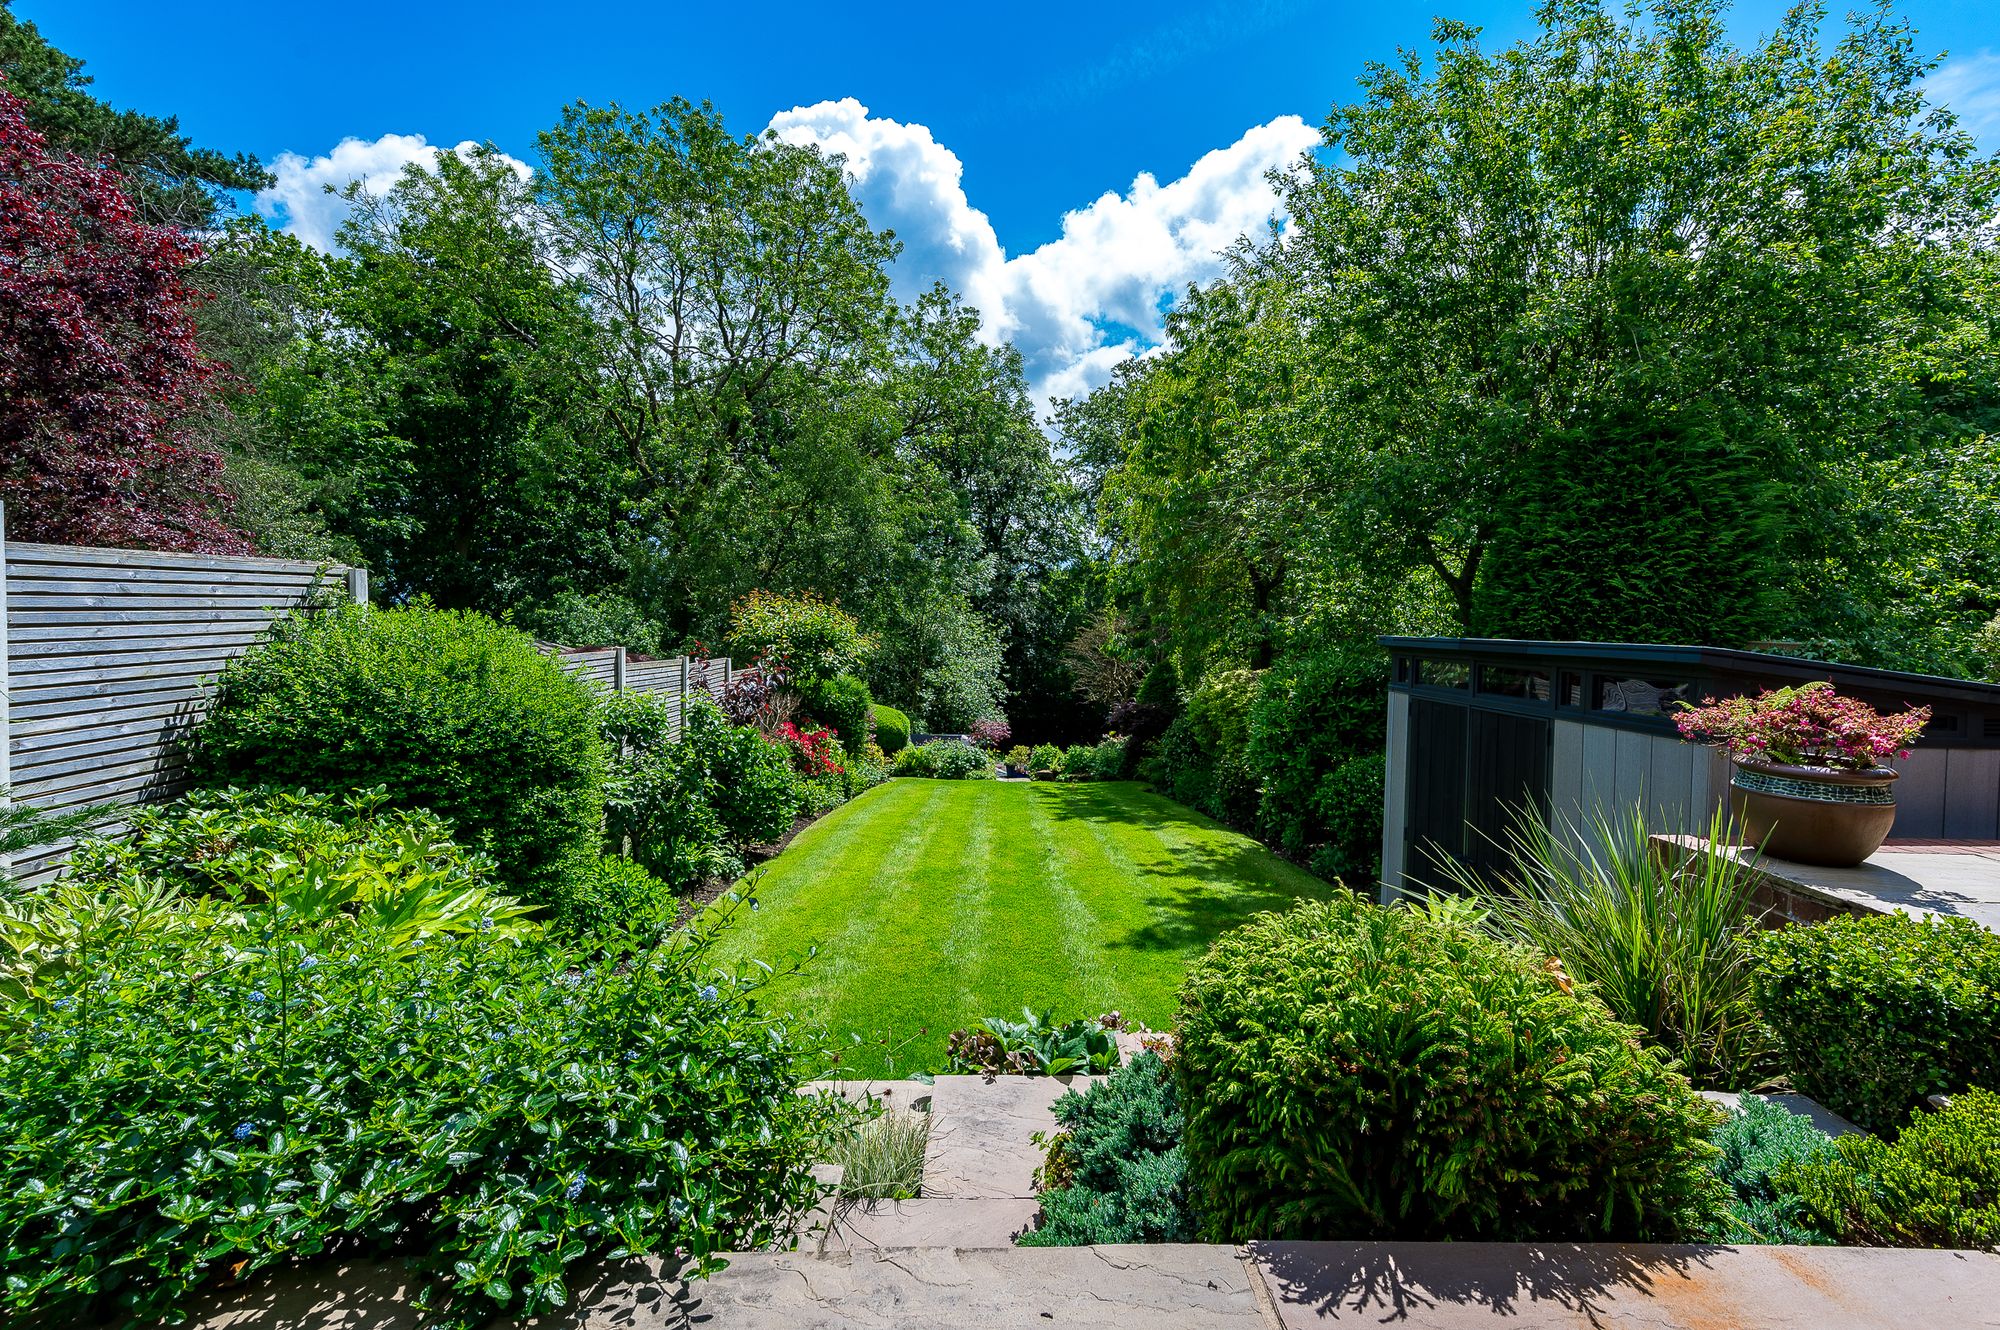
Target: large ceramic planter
<point x="1813" y="815"/>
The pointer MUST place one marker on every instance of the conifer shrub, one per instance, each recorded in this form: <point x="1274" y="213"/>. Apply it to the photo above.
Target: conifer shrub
<point x="1936" y="1185"/>
<point x="1115" y="1172"/>
<point x="1349" y="1071"/>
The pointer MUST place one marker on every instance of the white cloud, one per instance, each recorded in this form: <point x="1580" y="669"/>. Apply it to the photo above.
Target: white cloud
<point x="1075" y="307"/>
<point x="299" y="202"/>
<point x="1971" y="88"/>
<point x="1081" y="303"/>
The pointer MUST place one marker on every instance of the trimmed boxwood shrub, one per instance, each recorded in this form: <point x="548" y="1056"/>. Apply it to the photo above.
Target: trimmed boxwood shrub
<point x="1875" y="1013"/>
<point x="1115" y="1173"/>
<point x="842" y="705"/>
<point x="892" y="729"/>
<point x="1350" y="1071"/>
<point x="1935" y="1185"/>
<point x="444" y="709"/>
<point x="200" y="1105"/>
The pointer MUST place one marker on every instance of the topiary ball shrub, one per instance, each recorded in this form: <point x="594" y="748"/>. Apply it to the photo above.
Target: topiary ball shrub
<point x="1936" y="1185"/>
<point x="1875" y="1013"/>
<point x="892" y="729"/>
<point x="444" y="709"/>
<point x="1115" y="1173"/>
<point x="842" y="705"/>
<point x="1356" y="1072"/>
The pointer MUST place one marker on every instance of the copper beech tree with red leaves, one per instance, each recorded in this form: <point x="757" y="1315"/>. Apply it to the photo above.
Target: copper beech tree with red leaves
<point x="101" y="382"/>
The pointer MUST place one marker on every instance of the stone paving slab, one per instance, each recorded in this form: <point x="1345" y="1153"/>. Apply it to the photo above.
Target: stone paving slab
<point x="1029" y="1288"/>
<point x="1491" y="1286"/>
<point x="982" y="1134"/>
<point x="927" y="1221"/>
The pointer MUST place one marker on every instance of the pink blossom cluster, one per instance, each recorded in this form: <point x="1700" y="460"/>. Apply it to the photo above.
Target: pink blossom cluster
<point x="991" y="733"/>
<point x="812" y="751"/>
<point x="1807" y="726"/>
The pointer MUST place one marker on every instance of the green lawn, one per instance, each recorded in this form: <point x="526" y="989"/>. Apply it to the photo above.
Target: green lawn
<point x="934" y="903"/>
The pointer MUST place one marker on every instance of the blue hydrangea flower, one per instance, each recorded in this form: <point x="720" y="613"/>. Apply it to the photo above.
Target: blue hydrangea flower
<point x="256" y="995"/>
<point x="575" y="1188"/>
<point x="64" y="1004"/>
<point x="708" y="993"/>
<point x="243" y="1130"/>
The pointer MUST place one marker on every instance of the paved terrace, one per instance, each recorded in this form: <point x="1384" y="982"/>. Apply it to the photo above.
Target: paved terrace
<point x="1920" y="877"/>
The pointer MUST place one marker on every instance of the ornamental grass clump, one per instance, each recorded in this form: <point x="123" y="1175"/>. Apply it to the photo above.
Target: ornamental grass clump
<point x="1807" y="726"/>
<point x="1353" y="1072"/>
<point x="194" y="1107"/>
<point x="1660" y="939"/>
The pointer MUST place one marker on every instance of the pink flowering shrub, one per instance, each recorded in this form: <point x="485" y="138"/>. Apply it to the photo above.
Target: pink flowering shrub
<point x="992" y="733"/>
<point x="1807" y="726"/>
<point x="813" y="752"/>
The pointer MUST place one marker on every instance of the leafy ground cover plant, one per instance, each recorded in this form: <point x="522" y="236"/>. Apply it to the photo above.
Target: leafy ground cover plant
<point x="1760" y="1143"/>
<point x="200" y="1105"/>
<point x="1356" y="1072"/>
<point x="1936" y="1185"/>
<point x="1663" y="942"/>
<point x="1034" y="1045"/>
<point x="443" y="709"/>
<point x="1874" y="1014"/>
<point x="1115" y="1172"/>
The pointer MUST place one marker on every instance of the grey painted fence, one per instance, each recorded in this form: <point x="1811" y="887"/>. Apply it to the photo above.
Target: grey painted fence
<point x="672" y="678"/>
<point x="108" y="655"/>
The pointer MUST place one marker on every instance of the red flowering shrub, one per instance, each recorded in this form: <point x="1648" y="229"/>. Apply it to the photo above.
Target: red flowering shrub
<point x="813" y="752"/>
<point x="992" y="733"/>
<point x="99" y="372"/>
<point x="1807" y="726"/>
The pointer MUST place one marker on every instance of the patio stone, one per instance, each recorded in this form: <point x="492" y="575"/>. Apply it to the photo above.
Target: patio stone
<point x="1461" y="1285"/>
<point x="982" y="1134"/>
<point x="927" y="1221"/>
<point x="1029" y="1288"/>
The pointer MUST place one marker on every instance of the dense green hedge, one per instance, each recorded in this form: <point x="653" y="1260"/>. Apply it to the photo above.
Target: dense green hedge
<point x="445" y="710"/>
<point x="183" y="1108"/>
<point x="1875" y="1013"/>
<point x="843" y="705"/>
<point x="892" y="728"/>
<point x="1350" y="1071"/>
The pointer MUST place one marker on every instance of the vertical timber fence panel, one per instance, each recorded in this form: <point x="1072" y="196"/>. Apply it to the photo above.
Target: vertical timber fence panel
<point x="111" y="654"/>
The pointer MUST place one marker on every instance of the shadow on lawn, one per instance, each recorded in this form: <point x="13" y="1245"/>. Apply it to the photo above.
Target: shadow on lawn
<point x="1204" y="888"/>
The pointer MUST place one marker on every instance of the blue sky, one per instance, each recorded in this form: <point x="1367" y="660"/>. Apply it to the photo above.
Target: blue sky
<point x="1068" y="166"/>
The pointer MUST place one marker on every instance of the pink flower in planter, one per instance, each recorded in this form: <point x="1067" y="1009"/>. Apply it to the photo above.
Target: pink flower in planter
<point x="1807" y="726"/>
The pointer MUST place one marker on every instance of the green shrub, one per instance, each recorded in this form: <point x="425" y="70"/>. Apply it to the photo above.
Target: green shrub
<point x="953" y="759"/>
<point x="1115" y="1173"/>
<point x="1758" y="1144"/>
<point x="617" y="898"/>
<point x="892" y="729"/>
<point x="1875" y="1013"/>
<point x="750" y="780"/>
<point x="842" y="705"/>
<point x="1356" y="1072"/>
<point x="1045" y="758"/>
<point x="812" y="639"/>
<point x="659" y="805"/>
<point x="1348" y="805"/>
<point x="1936" y="1185"/>
<point x="1317" y="712"/>
<point x="232" y="1099"/>
<point x="1664" y="942"/>
<point x="445" y="710"/>
<point x="1017" y="757"/>
<point x="917" y="760"/>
